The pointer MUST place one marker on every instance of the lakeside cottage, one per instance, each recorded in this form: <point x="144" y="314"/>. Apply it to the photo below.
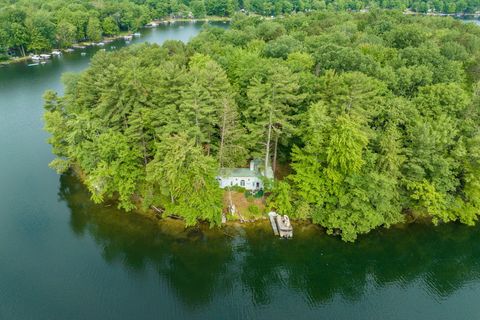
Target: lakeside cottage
<point x="248" y="178"/>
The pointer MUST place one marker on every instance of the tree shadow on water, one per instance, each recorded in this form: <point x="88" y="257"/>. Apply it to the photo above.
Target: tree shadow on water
<point x="191" y="262"/>
<point x="200" y="265"/>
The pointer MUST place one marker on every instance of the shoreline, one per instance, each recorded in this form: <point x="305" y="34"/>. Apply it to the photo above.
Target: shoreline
<point x="441" y="14"/>
<point x="231" y="228"/>
<point x="117" y="37"/>
<point x="173" y="20"/>
<point x="156" y="22"/>
<point x="73" y="46"/>
<point x="156" y="217"/>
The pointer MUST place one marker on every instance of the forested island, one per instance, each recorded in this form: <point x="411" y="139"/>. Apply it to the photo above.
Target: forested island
<point x="369" y="119"/>
<point x="34" y="26"/>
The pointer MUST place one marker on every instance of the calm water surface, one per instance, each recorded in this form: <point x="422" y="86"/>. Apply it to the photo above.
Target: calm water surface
<point x="62" y="257"/>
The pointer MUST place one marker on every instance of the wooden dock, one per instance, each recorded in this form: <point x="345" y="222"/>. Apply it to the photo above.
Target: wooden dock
<point x="281" y="225"/>
<point x="272" y="215"/>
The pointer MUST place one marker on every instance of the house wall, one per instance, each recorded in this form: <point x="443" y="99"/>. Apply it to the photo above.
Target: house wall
<point x="250" y="183"/>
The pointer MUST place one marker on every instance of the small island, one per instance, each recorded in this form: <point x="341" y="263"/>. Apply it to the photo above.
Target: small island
<point x="365" y="120"/>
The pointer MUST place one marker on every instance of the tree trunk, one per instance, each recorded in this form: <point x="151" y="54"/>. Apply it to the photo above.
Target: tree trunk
<point x="275" y="154"/>
<point x="208" y="146"/>
<point x="144" y="150"/>
<point x="269" y="135"/>
<point x="269" y="138"/>
<point x="144" y="144"/>
<point x="222" y="136"/>
<point x="230" y="196"/>
<point x="197" y="124"/>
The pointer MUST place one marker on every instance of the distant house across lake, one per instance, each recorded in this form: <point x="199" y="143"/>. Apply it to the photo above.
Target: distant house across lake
<point x="248" y="178"/>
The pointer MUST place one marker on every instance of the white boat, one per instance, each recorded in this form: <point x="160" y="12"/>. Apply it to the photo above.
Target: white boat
<point x="56" y="53"/>
<point x="78" y="46"/>
<point x="137" y="34"/>
<point x="100" y="44"/>
<point x="36" y="57"/>
<point x="127" y="38"/>
<point x="281" y="225"/>
<point x="45" y="56"/>
<point x="83" y="53"/>
<point x="152" y="24"/>
<point x="33" y="64"/>
<point x="69" y="50"/>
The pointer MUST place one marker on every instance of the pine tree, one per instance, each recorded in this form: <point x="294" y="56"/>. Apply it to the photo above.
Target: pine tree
<point x="183" y="178"/>
<point x="271" y="102"/>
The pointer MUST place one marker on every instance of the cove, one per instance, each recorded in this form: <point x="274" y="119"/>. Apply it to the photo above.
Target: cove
<point x="62" y="257"/>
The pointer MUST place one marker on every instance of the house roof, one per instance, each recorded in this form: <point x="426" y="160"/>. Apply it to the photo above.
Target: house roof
<point x="238" y="173"/>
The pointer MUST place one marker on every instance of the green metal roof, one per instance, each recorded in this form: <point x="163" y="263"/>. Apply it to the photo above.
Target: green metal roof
<point x="238" y="173"/>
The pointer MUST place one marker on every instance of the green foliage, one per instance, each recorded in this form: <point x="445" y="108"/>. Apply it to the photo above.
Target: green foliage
<point x="182" y="179"/>
<point x="253" y="210"/>
<point x="376" y="114"/>
<point x="280" y="198"/>
<point x="66" y="34"/>
<point x="94" y="29"/>
<point x="31" y="26"/>
<point x="198" y="9"/>
<point x="110" y="27"/>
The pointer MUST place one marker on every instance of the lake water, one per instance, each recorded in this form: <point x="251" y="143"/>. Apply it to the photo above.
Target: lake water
<point x="62" y="257"/>
<point x="475" y="21"/>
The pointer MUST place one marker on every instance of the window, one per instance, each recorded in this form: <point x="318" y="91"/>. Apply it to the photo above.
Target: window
<point x="242" y="183"/>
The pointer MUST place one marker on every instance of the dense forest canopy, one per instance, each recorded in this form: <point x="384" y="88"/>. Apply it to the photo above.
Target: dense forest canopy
<point x="376" y="114"/>
<point x="38" y="25"/>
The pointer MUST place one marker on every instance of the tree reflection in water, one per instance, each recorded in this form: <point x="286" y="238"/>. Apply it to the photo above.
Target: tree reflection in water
<point x="199" y="264"/>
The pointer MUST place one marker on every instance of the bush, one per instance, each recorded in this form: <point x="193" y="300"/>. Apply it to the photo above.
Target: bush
<point x="253" y="209"/>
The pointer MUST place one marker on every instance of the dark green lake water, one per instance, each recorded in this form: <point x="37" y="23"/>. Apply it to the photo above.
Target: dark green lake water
<point x="61" y="257"/>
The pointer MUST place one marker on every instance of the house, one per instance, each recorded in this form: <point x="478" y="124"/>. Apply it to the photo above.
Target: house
<point x="249" y="178"/>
